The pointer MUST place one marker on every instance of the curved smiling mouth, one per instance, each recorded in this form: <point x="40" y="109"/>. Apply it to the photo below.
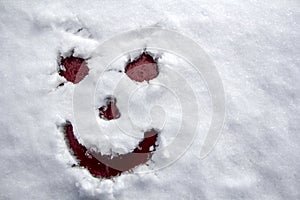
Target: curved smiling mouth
<point x="101" y="165"/>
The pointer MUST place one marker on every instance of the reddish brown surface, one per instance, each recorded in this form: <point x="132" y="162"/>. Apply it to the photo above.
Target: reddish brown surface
<point x="144" y="68"/>
<point x="110" y="110"/>
<point x="102" y="165"/>
<point x="75" y="69"/>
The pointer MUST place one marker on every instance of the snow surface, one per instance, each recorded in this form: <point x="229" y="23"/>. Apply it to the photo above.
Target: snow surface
<point x="254" y="46"/>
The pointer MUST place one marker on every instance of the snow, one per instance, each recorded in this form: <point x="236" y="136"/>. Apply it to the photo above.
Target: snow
<point x="254" y="46"/>
<point x="143" y="106"/>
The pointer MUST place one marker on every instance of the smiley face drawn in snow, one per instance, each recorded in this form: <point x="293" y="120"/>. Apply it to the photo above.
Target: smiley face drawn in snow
<point x="162" y="40"/>
<point x="74" y="70"/>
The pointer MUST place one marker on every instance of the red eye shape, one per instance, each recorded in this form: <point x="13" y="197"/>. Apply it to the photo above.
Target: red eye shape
<point x="75" y="69"/>
<point x="110" y="110"/>
<point x="144" y="68"/>
<point x="126" y="162"/>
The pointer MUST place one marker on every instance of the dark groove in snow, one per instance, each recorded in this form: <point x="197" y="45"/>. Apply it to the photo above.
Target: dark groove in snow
<point x="94" y="161"/>
<point x="110" y="110"/>
<point x="74" y="69"/>
<point x="144" y="68"/>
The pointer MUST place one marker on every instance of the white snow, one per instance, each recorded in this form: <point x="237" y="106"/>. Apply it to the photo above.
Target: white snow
<point x="255" y="48"/>
<point x="146" y="105"/>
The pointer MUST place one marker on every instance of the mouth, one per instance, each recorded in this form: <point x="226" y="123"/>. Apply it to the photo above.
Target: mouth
<point x="106" y="166"/>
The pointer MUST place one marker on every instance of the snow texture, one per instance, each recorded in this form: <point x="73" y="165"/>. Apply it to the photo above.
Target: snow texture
<point x="254" y="46"/>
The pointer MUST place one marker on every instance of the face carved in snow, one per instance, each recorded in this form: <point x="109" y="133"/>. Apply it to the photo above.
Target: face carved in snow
<point x="144" y="68"/>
